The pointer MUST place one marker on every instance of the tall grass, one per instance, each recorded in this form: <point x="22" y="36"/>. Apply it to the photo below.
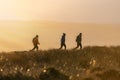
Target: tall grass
<point x="88" y="63"/>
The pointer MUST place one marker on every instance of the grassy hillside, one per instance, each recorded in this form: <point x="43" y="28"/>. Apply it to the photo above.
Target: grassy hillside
<point x="90" y="63"/>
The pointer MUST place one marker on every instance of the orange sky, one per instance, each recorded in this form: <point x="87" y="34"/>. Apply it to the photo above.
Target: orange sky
<point x="82" y="11"/>
<point x="16" y="35"/>
<point x="21" y="20"/>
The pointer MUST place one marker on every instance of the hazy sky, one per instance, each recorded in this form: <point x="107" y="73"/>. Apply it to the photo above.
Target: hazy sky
<point x="18" y="35"/>
<point x="83" y="11"/>
<point x="98" y="20"/>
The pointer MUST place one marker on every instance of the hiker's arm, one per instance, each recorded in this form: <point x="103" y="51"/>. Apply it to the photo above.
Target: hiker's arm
<point x="39" y="43"/>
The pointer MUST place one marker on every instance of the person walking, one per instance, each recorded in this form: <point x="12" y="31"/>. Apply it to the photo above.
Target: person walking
<point x="79" y="41"/>
<point x="35" y="43"/>
<point x="63" y="39"/>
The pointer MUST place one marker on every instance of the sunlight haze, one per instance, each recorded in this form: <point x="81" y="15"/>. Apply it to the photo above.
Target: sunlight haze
<point x="21" y="20"/>
<point x="83" y="11"/>
<point x="16" y="35"/>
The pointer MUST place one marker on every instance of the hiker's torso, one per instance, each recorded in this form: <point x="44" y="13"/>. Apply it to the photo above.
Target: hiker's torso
<point x="79" y="38"/>
<point x="63" y="39"/>
<point x="35" y="41"/>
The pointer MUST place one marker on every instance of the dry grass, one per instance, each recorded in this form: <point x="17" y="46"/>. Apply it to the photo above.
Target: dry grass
<point x="90" y="63"/>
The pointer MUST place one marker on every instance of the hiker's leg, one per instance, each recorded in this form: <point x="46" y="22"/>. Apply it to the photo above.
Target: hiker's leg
<point x="65" y="46"/>
<point x="33" y="48"/>
<point x="61" y="46"/>
<point x="80" y="45"/>
<point x="37" y="47"/>
<point x="77" y="45"/>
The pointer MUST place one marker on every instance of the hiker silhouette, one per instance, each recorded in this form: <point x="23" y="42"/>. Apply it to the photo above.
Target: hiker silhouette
<point x="79" y="41"/>
<point x="35" y="43"/>
<point x="63" y="39"/>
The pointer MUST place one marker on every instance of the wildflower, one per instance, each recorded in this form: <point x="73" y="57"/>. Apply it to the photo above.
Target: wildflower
<point x="44" y="70"/>
<point x="28" y="70"/>
<point x="1" y="70"/>
<point x="78" y="75"/>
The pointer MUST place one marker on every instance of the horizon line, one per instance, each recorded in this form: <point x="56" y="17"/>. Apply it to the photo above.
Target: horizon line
<point x="60" y="22"/>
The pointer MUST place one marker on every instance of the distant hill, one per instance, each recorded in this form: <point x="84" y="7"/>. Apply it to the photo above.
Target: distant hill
<point x="90" y="63"/>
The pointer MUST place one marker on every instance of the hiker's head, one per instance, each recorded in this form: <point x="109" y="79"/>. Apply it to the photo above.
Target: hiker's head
<point x="80" y="34"/>
<point x="64" y="34"/>
<point x="37" y="36"/>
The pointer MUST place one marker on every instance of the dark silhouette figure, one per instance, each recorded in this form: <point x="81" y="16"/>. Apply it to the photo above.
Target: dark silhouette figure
<point x="35" y="43"/>
<point x="63" y="41"/>
<point x="79" y="41"/>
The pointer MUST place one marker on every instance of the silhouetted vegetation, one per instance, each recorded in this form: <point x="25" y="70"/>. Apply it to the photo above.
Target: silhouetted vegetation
<point x="90" y="63"/>
<point x="52" y="74"/>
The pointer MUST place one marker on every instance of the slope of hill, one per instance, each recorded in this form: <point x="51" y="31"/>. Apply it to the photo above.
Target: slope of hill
<point x="90" y="63"/>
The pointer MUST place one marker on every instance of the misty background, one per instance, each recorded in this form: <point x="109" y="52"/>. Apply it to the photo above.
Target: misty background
<point x="21" y="20"/>
<point x="18" y="35"/>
